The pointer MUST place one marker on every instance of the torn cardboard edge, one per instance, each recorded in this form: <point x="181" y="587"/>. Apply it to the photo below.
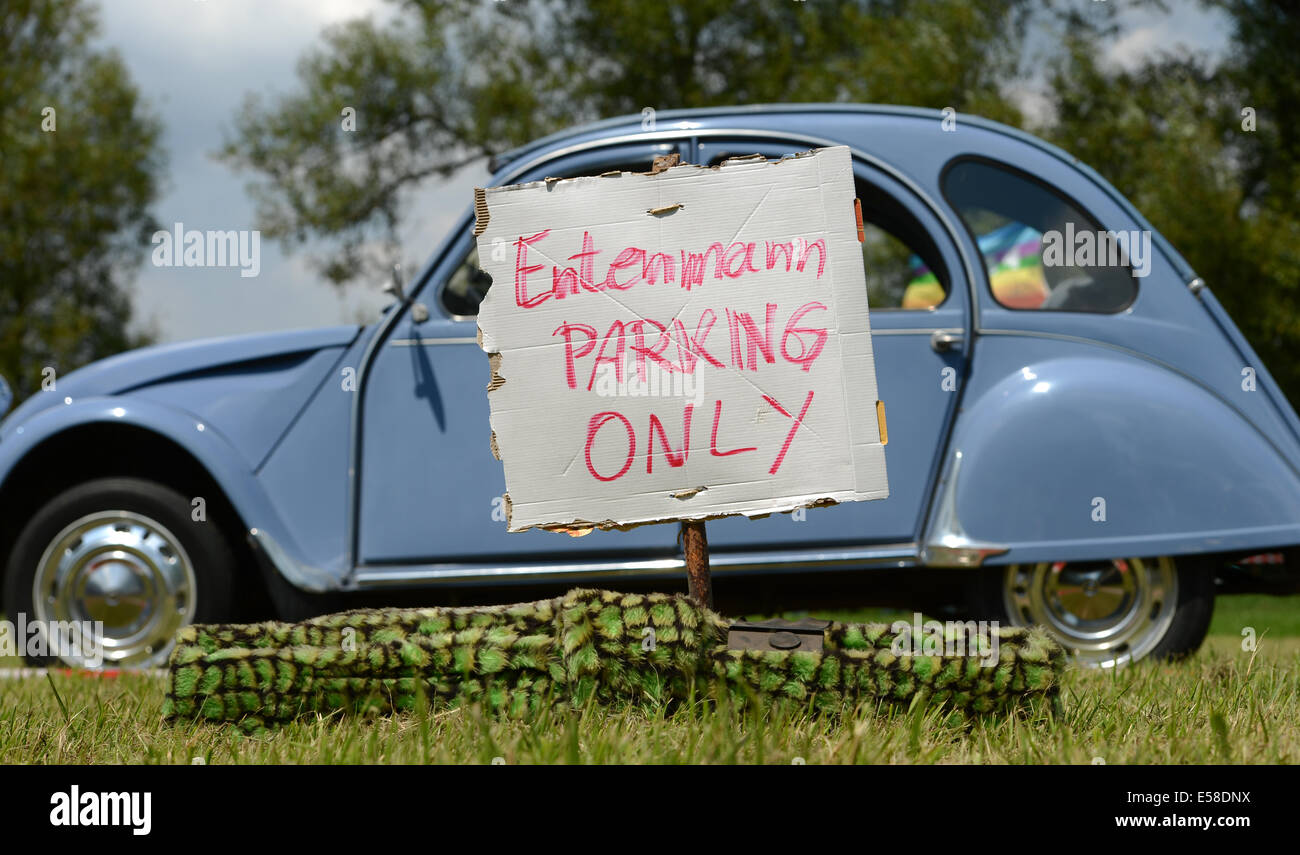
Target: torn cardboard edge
<point x="586" y="526"/>
<point x="666" y="209"/>
<point x="661" y="163"/>
<point x="496" y="381"/>
<point x="665" y="161"/>
<point x="481" y="215"/>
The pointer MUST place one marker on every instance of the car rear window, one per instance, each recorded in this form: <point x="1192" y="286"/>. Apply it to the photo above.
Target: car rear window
<point x="1041" y="251"/>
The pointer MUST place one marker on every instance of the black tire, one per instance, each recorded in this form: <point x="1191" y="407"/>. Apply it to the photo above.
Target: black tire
<point x="1164" y="618"/>
<point x="162" y="518"/>
<point x="294" y="605"/>
<point x="1195" y="609"/>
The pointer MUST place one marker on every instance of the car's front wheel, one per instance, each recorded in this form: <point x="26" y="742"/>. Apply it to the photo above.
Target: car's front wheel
<point x="123" y="554"/>
<point x="1109" y="613"/>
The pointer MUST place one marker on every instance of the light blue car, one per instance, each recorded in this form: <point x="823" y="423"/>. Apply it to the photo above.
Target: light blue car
<point x="1084" y="431"/>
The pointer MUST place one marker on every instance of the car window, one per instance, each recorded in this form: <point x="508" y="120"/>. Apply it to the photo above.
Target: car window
<point x="903" y="266"/>
<point x="467" y="286"/>
<point x="1041" y="251"/>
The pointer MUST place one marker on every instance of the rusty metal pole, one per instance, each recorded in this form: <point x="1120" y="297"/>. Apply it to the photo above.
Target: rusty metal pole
<point x="696" y="546"/>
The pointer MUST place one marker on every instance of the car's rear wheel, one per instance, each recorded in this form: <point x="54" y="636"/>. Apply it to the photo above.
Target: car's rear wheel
<point x="124" y="553"/>
<point x="1110" y="613"/>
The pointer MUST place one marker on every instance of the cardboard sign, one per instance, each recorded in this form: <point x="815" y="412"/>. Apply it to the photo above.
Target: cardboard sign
<point x="680" y="345"/>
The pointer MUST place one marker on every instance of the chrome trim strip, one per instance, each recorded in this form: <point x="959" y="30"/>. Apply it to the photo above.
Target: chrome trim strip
<point x="1078" y="339"/>
<point x="947" y="544"/>
<point x="380" y="576"/>
<point x="926" y="331"/>
<point x="430" y="342"/>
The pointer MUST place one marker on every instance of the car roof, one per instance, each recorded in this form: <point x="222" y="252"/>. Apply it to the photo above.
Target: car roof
<point x="735" y="116"/>
<point x="604" y="127"/>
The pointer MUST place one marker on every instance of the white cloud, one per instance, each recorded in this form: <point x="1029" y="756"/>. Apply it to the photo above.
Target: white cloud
<point x="194" y="60"/>
<point x="1187" y="28"/>
<point x="1135" y="46"/>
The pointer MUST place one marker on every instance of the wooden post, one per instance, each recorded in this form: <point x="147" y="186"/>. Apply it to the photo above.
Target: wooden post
<point x="696" y="546"/>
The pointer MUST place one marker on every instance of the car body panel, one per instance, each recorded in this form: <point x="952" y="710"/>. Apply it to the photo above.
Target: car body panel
<point x="307" y="475"/>
<point x="251" y="403"/>
<point x="1047" y="436"/>
<point x="250" y="385"/>
<point x="205" y="443"/>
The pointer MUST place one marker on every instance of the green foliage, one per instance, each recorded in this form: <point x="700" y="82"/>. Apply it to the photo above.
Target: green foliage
<point x="1171" y="136"/>
<point x="74" y="191"/>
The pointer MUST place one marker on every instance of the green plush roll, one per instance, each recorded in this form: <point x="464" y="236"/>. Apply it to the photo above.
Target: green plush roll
<point x="585" y="647"/>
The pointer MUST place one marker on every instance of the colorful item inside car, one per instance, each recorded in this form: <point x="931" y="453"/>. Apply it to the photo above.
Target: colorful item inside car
<point x="924" y="291"/>
<point x="1013" y="258"/>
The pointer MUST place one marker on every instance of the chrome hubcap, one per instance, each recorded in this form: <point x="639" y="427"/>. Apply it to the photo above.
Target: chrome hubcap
<point x="1107" y="613"/>
<point x="122" y="570"/>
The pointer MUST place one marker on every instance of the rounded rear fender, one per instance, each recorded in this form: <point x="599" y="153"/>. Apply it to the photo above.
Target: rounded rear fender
<point x="1090" y="457"/>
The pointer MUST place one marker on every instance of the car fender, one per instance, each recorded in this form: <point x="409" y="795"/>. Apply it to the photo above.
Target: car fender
<point x="212" y="450"/>
<point x="1097" y="454"/>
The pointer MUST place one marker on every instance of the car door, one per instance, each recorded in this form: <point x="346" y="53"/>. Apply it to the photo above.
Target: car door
<point x="430" y="490"/>
<point x="919" y="300"/>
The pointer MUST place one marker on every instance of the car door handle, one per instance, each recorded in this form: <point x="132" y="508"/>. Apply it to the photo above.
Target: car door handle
<point x="945" y="340"/>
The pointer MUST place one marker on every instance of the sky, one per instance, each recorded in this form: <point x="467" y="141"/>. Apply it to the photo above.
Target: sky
<point x="194" y="61"/>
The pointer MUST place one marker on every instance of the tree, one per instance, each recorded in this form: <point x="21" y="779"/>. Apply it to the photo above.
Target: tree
<point x="80" y="155"/>
<point x="1174" y="136"/>
<point x="382" y="108"/>
<point x="1260" y="66"/>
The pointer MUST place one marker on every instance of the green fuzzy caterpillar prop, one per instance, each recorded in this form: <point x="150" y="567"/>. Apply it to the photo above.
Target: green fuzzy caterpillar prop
<point x="587" y="646"/>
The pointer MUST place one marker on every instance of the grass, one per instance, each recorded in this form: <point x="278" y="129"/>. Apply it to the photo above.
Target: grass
<point x="1278" y="616"/>
<point x="1224" y="705"/>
